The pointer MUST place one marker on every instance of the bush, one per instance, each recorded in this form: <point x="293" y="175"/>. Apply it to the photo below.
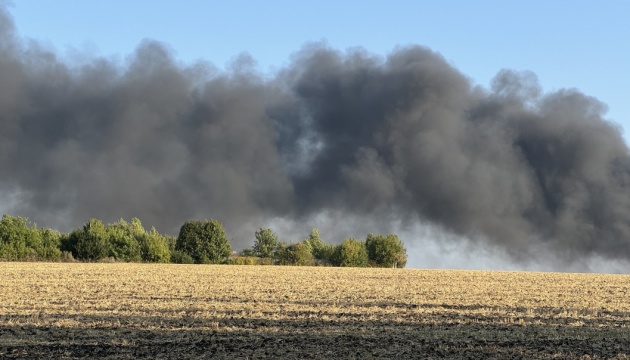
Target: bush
<point x="18" y="240"/>
<point x="205" y="241"/>
<point x="123" y="239"/>
<point x="180" y="257"/>
<point x="51" y="245"/>
<point x="154" y="247"/>
<point x="326" y="254"/>
<point x="316" y="244"/>
<point x="89" y="243"/>
<point x="386" y="251"/>
<point x="9" y="252"/>
<point x="296" y="254"/>
<point x="351" y="252"/>
<point x="264" y="261"/>
<point x="66" y="256"/>
<point x="244" y="260"/>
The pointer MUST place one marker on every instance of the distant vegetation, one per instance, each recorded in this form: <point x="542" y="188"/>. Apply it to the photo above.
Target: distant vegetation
<point x="198" y="242"/>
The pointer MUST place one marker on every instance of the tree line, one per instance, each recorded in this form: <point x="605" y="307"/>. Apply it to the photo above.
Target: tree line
<point x="198" y="242"/>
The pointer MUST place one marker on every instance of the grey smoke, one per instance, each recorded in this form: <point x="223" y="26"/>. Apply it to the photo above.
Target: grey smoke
<point x="402" y="139"/>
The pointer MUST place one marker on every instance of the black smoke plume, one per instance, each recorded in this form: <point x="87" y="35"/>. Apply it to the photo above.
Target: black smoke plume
<point x="405" y="138"/>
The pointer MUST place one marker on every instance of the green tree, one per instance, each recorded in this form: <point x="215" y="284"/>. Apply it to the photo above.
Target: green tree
<point x="386" y="251"/>
<point x="154" y="247"/>
<point x="281" y="254"/>
<point x="351" y="252"/>
<point x="51" y="245"/>
<point x="90" y="242"/>
<point x="21" y="240"/>
<point x="204" y="241"/>
<point x="123" y="237"/>
<point x="266" y="243"/>
<point x="316" y="244"/>
<point x="295" y="254"/>
<point x="18" y="240"/>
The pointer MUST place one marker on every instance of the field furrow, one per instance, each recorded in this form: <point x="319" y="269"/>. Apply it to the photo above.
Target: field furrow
<point x="127" y="311"/>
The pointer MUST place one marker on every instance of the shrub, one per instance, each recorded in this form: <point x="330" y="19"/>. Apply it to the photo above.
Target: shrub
<point x="296" y="254"/>
<point x="264" y="261"/>
<point x="18" y="240"/>
<point x="8" y="252"/>
<point x="244" y="260"/>
<point x="204" y="241"/>
<point x="154" y="247"/>
<point x="316" y="244"/>
<point x="124" y="245"/>
<point x="326" y="254"/>
<point x="90" y="242"/>
<point x="51" y="245"/>
<point x="180" y="257"/>
<point x="66" y="256"/>
<point x="386" y="251"/>
<point x="351" y="252"/>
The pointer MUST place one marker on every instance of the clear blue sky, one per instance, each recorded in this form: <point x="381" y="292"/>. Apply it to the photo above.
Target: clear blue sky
<point x="569" y="43"/>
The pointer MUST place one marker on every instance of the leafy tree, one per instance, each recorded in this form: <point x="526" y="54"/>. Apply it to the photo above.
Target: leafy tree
<point x="386" y="251"/>
<point x="351" y="252"/>
<point x="13" y="229"/>
<point x="295" y="254"/>
<point x="321" y="251"/>
<point x="90" y="242"/>
<point x="266" y="243"/>
<point x="316" y="244"/>
<point x="281" y="254"/>
<point x="51" y="245"/>
<point x="301" y="254"/>
<point x="327" y="253"/>
<point x="154" y="247"/>
<point x="123" y="237"/>
<point x="21" y="240"/>
<point x="17" y="238"/>
<point x="204" y="241"/>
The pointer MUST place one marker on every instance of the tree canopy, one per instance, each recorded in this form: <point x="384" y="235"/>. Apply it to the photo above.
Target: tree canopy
<point x="91" y="242"/>
<point x="266" y="243"/>
<point x="201" y="242"/>
<point x="205" y="241"/>
<point x="351" y="252"/>
<point x="386" y="251"/>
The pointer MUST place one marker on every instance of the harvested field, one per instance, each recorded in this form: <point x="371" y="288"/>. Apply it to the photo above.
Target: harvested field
<point x="127" y="311"/>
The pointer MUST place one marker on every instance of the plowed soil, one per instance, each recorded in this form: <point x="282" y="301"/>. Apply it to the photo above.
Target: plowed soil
<point x="129" y="311"/>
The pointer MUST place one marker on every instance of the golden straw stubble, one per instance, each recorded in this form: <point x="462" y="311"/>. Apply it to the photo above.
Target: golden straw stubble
<point x="62" y="310"/>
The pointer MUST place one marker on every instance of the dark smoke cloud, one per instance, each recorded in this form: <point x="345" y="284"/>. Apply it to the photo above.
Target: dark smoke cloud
<point x="404" y="139"/>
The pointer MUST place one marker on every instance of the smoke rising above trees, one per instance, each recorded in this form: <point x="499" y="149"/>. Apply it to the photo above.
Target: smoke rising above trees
<point x="405" y="138"/>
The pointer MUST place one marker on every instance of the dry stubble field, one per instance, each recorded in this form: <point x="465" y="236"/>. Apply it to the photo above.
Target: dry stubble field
<point x="56" y="310"/>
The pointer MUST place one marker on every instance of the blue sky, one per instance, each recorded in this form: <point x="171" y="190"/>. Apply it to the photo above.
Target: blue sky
<point x="568" y="44"/>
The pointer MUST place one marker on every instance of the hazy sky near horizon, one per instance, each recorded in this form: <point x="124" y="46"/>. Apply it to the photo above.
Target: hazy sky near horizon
<point x="568" y="44"/>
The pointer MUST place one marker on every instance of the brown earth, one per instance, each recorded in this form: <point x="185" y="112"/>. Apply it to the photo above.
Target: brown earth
<point x="128" y="311"/>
